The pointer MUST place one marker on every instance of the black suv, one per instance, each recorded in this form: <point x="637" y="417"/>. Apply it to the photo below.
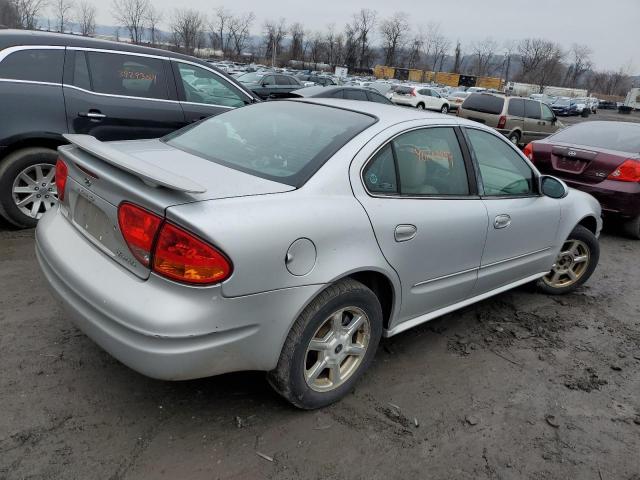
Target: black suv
<point x="269" y="85"/>
<point x="52" y="84"/>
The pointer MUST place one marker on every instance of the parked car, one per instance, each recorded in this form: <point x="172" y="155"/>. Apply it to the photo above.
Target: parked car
<point x="456" y="99"/>
<point x="269" y="85"/>
<point x="310" y="80"/>
<point x="600" y="158"/>
<point x="347" y="93"/>
<point x="607" y="105"/>
<point x="371" y="219"/>
<point x="418" y="97"/>
<point x="51" y="84"/>
<point x="565" y="107"/>
<point x="521" y="120"/>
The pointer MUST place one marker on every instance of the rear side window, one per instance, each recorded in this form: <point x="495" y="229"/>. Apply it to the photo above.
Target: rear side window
<point x="532" y="109"/>
<point x="376" y="97"/>
<point x="380" y="174"/>
<point x="283" y="80"/>
<point x="355" y="95"/>
<point x="479" y="102"/>
<point x="34" y="65"/>
<point x="516" y="107"/>
<point x="127" y="75"/>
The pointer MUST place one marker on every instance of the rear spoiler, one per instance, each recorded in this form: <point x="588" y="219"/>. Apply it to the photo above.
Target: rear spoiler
<point x="149" y="173"/>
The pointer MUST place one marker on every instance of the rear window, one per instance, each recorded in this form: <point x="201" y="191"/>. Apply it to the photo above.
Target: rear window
<point x="34" y="65"/>
<point x="620" y="136"/>
<point x="402" y="89"/>
<point x="269" y="140"/>
<point x="484" y="103"/>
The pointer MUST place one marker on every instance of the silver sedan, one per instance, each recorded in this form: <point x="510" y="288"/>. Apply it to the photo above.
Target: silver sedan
<point x="290" y="236"/>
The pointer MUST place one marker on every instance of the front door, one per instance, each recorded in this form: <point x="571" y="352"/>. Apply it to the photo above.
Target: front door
<point x="204" y="93"/>
<point x="522" y="223"/>
<point x="426" y="216"/>
<point x="119" y="97"/>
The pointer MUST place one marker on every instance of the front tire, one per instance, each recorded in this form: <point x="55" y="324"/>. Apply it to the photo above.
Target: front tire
<point x="445" y="109"/>
<point x="27" y="185"/>
<point x="330" y="346"/>
<point x="420" y="106"/>
<point x="576" y="262"/>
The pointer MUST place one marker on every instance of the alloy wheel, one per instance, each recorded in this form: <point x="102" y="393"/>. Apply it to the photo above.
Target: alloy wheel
<point x="34" y="189"/>
<point x="337" y="349"/>
<point x="571" y="264"/>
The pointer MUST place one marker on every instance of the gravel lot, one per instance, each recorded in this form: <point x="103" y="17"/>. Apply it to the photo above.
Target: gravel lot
<point x="519" y="386"/>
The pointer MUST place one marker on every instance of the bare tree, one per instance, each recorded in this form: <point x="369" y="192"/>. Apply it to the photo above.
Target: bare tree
<point x="219" y="26"/>
<point x="274" y="33"/>
<point x="483" y="53"/>
<point x="540" y="60"/>
<point x="153" y="18"/>
<point x="131" y="14"/>
<point x="28" y="12"/>
<point x="363" y="22"/>
<point x="9" y="14"/>
<point x="297" y="41"/>
<point x="416" y="46"/>
<point x="580" y="63"/>
<point x="86" y="15"/>
<point x="508" y="50"/>
<point x="186" y="26"/>
<point x="394" y="32"/>
<point x="350" y="49"/>
<point x="457" y="58"/>
<point x="440" y="47"/>
<point x="62" y="13"/>
<point x="239" y="31"/>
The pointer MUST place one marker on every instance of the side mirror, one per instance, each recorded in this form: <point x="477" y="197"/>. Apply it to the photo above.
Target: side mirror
<point x="553" y="187"/>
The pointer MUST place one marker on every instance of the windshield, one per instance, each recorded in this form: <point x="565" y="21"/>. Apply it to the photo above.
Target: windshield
<point x="250" y="77"/>
<point x="269" y="140"/>
<point x="619" y="136"/>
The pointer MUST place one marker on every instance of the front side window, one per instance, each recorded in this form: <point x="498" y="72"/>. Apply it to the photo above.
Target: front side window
<point x="547" y="114"/>
<point x="34" y="65"/>
<point x="203" y="86"/>
<point x="269" y="80"/>
<point x="502" y="170"/>
<point x="127" y="75"/>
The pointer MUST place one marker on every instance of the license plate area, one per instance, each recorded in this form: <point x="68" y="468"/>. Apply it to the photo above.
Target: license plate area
<point x="569" y="165"/>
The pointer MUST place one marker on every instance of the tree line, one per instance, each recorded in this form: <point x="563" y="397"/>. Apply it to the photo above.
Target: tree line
<point x="365" y="40"/>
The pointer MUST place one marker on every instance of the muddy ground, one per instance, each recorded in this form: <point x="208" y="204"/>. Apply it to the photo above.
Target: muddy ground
<point x="521" y="386"/>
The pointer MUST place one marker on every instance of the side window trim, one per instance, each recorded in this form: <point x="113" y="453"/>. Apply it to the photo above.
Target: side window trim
<point x="471" y="175"/>
<point x="476" y="165"/>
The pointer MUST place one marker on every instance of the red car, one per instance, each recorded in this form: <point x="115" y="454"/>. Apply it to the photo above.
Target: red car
<point x="600" y="158"/>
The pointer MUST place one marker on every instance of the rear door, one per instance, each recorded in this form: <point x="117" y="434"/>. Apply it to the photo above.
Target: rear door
<point x="515" y="115"/>
<point x="522" y="223"/>
<point x="549" y="123"/>
<point x="117" y="96"/>
<point x="532" y="121"/>
<point x="203" y="92"/>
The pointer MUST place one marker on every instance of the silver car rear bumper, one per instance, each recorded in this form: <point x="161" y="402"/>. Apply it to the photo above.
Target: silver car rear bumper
<point x="157" y="327"/>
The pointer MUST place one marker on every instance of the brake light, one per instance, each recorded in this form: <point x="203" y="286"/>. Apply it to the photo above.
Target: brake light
<point x="629" y="171"/>
<point x="62" y="172"/>
<point x="528" y="151"/>
<point x="181" y="256"/>
<point x="502" y="121"/>
<point x="413" y="92"/>
<point x="139" y="228"/>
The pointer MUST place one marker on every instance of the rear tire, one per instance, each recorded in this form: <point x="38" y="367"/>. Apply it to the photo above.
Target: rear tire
<point x="320" y="361"/>
<point x="420" y="106"/>
<point x="444" y="109"/>
<point x="10" y="169"/>
<point x="632" y="228"/>
<point x="576" y="262"/>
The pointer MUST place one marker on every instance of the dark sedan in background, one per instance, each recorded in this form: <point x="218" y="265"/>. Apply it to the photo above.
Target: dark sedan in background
<point x="269" y="85"/>
<point x="346" y="93"/>
<point x="563" y="107"/>
<point x="600" y="158"/>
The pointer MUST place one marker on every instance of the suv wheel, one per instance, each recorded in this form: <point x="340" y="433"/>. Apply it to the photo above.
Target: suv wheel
<point x="445" y="108"/>
<point x="27" y="185"/>
<point x="330" y="346"/>
<point x="514" y="138"/>
<point x="576" y="262"/>
<point x="420" y="106"/>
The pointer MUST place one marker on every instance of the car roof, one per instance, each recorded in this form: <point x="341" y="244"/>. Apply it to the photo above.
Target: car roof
<point x="388" y="115"/>
<point x="9" y="38"/>
<point x="316" y="89"/>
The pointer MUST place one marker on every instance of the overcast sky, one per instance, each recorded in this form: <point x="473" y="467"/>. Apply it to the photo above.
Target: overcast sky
<point x="609" y="27"/>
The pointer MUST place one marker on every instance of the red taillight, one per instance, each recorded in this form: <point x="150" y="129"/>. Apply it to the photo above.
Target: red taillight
<point x="139" y="228"/>
<point x="528" y="151"/>
<point x="629" y="171"/>
<point x="62" y="173"/>
<point x="502" y="121"/>
<point x="181" y="256"/>
<point x="169" y="250"/>
<point x="413" y="92"/>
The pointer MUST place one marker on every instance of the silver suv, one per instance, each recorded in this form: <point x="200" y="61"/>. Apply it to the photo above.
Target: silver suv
<point x="521" y="120"/>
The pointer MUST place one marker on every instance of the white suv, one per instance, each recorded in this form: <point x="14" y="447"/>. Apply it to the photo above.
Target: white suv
<point x="420" y="97"/>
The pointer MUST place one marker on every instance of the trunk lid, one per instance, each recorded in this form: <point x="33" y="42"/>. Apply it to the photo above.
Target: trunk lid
<point x="150" y="174"/>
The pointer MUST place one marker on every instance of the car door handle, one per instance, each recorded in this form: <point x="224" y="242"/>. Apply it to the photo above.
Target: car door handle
<point x="404" y="233"/>
<point x="502" y="221"/>
<point x="92" y="114"/>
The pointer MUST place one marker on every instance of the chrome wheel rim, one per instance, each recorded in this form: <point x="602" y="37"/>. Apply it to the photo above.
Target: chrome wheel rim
<point x="571" y="264"/>
<point x="420" y="106"/>
<point x="337" y="349"/>
<point x="445" y="109"/>
<point x="34" y="189"/>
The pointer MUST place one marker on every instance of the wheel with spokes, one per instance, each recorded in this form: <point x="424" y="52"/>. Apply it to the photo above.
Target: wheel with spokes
<point x="577" y="260"/>
<point x="330" y="346"/>
<point x="27" y="185"/>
